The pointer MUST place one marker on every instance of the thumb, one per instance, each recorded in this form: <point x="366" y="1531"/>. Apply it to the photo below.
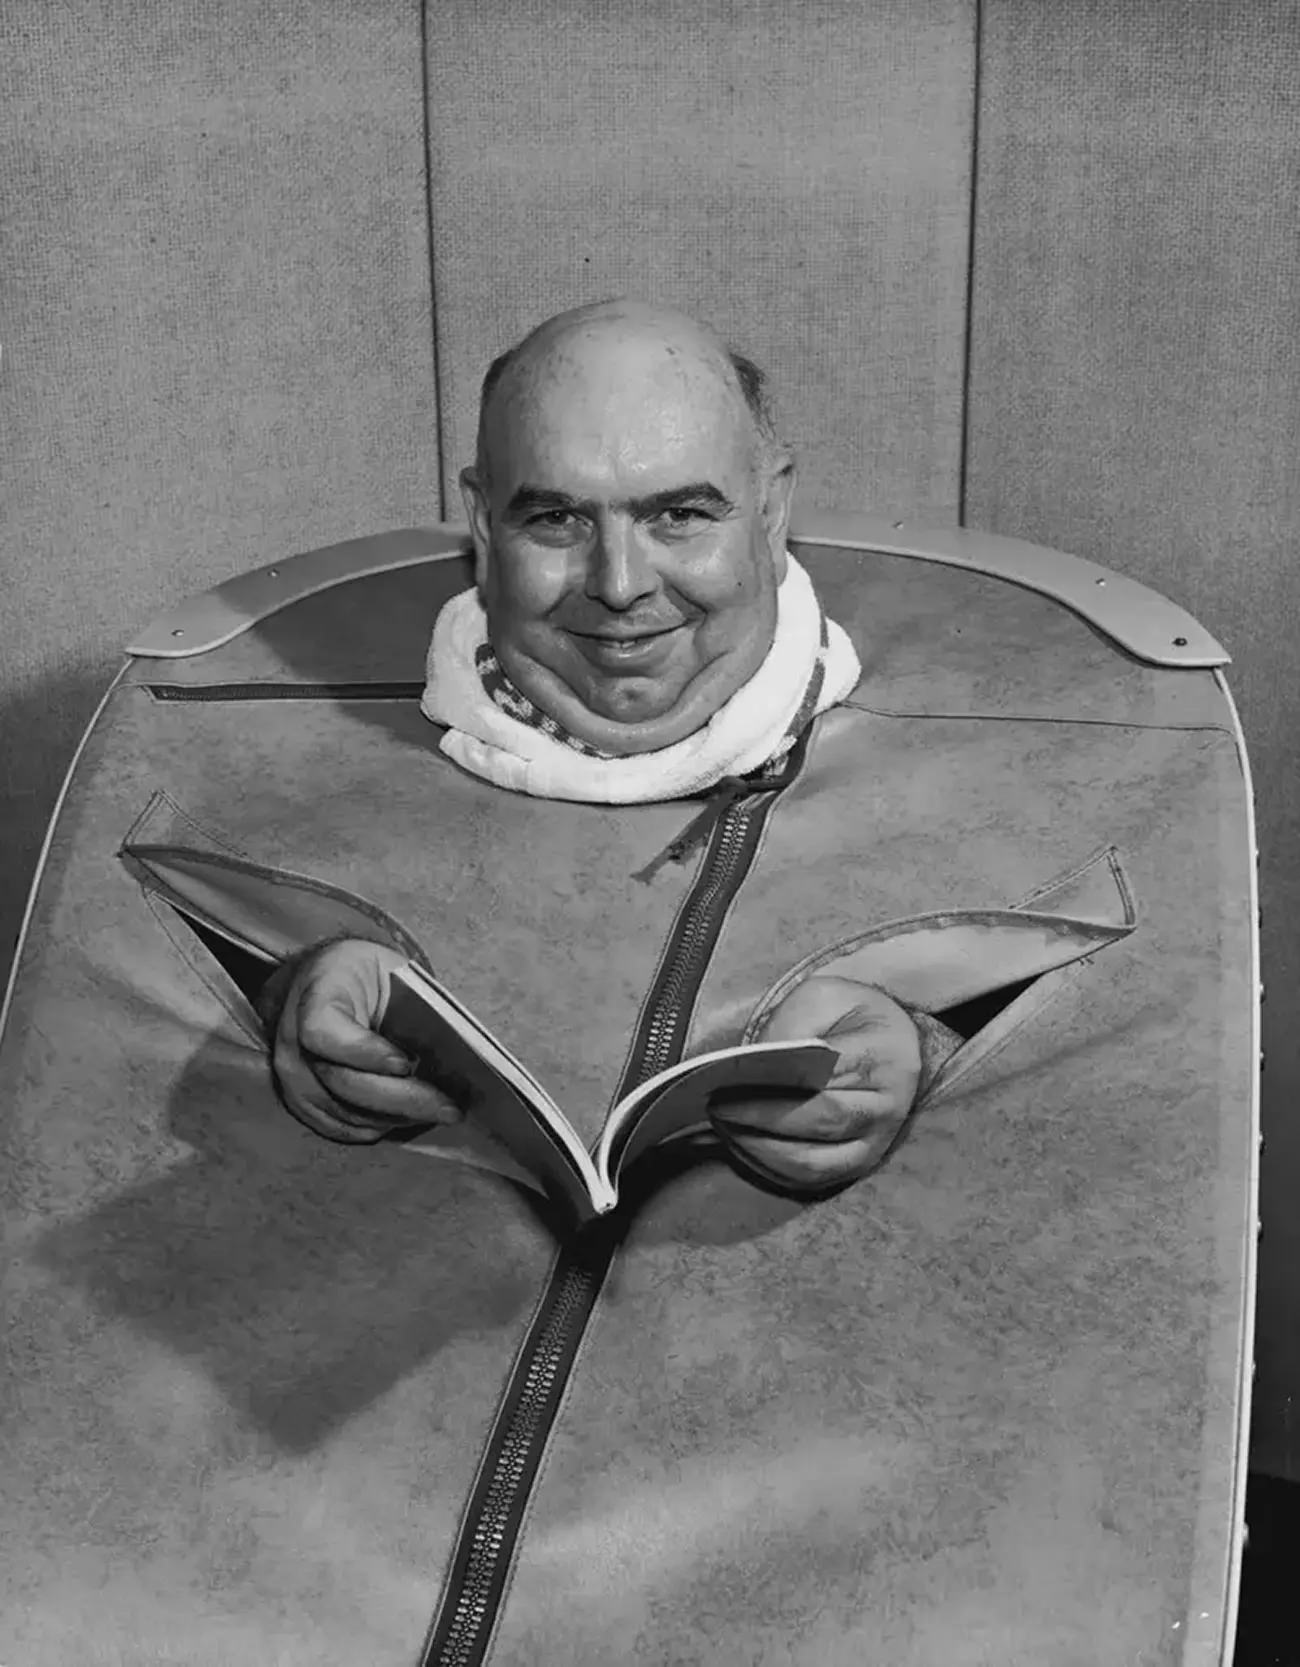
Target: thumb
<point x="329" y="1028"/>
<point x="815" y="1007"/>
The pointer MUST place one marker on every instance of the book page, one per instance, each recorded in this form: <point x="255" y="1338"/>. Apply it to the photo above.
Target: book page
<point x="676" y="1101"/>
<point x="465" y="1143"/>
<point x="501" y="1100"/>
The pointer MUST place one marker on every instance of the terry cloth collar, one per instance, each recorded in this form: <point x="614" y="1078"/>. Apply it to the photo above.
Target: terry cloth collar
<point x="501" y="690"/>
<point x="496" y="732"/>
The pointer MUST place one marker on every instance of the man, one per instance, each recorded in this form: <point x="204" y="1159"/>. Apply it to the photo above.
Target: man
<point x="638" y="625"/>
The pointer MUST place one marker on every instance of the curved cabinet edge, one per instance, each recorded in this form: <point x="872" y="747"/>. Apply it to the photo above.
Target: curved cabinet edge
<point x="214" y="617"/>
<point x="1132" y="615"/>
<point x="1137" y="618"/>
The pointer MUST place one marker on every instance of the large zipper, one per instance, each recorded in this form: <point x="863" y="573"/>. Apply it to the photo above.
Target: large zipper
<point x="467" y="1611"/>
<point x="285" y="691"/>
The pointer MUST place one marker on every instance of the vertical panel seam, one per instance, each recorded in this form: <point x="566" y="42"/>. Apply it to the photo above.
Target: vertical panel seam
<point x="426" y="130"/>
<point x="963" y="466"/>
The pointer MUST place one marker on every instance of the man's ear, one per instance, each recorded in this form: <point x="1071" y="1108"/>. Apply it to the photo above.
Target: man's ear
<point x="777" y="501"/>
<point x="474" y="493"/>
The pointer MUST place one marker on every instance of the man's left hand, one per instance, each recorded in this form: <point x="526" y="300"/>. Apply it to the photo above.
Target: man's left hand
<point x="843" y="1132"/>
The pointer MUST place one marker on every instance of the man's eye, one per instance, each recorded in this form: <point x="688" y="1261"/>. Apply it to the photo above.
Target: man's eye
<point x="680" y="517"/>
<point x="553" y="518"/>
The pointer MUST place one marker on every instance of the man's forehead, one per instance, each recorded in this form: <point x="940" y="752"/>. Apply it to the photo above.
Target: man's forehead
<point x="641" y="410"/>
<point x="616" y="453"/>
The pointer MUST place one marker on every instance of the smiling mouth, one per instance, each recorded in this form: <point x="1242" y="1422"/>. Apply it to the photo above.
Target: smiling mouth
<point x="620" y="650"/>
<point x="621" y="637"/>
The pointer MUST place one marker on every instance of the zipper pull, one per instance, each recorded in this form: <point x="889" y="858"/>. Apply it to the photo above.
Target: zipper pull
<point x="721" y="797"/>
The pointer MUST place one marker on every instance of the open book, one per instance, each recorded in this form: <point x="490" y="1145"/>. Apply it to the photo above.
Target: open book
<point x="513" y="1127"/>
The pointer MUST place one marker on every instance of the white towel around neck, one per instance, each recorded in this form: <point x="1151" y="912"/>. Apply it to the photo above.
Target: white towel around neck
<point x="750" y="729"/>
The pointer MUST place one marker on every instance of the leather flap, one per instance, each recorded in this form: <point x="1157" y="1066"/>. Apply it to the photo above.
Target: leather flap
<point x="938" y="961"/>
<point x="270" y="912"/>
<point x="932" y="962"/>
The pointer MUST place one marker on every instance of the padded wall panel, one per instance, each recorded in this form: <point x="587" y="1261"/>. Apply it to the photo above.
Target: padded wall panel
<point x="1135" y="398"/>
<point x="215" y="318"/>
<point x="796" y="175"/>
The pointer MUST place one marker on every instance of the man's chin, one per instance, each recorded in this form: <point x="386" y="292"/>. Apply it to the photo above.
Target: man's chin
<point x="637" y="710"/>
<point x="625" y="720"/>
<point x="626" y="715"/>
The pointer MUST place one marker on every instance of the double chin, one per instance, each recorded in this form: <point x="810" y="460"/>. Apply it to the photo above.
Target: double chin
<point x="627" y="716"/>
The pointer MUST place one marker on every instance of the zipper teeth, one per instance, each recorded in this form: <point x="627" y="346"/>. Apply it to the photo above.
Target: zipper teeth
<point x="666" y="1017"/>
<point x="574" y="1297"/>
<point x="580" y="1285"/>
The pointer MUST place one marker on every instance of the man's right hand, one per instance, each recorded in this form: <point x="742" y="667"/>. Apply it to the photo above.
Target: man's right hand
<point x="333" y="1070"/>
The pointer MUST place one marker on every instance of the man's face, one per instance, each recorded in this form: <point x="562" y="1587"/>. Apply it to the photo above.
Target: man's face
<point x="628" y="543"/>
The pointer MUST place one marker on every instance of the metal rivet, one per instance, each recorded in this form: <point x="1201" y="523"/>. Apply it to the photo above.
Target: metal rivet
<point x="1099" y="581"/>
<point x="178" y="633"/>
<point x="1180" y="642"/>
<point x="899" y="525"/>
<point x="273" y="572"/>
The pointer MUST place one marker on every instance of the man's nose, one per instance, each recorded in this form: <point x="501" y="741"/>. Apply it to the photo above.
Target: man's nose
<point x="620" y="570"/>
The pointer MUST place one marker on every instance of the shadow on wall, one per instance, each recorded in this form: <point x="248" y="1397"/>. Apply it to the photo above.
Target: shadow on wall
<point x="40" y="727"/>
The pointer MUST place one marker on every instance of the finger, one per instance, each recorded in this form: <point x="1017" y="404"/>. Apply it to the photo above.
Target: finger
<point x="883" y="1060"/>
<point x="399" y="1099"/>
<point x="313" y="1105"/>
<point x="831" y="1117"/>
<point x="820" y="1004"/>
<point x="809" y="1166"/>
<point x="880" y="1081"/>
<point x="804" y="1012"/>
<point x="842" y="1011"/>
<point x="329" y="1028"/>
<point x="302" y="1092"/>
<point x="317" y="1110"/>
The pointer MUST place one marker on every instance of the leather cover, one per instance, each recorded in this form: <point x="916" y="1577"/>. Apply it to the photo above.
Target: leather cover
<point x="983" y="1407"/>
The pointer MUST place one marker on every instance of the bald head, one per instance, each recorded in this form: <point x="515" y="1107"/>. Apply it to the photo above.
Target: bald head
<point x="616" y="334"/>
<point x="629" y="507"/>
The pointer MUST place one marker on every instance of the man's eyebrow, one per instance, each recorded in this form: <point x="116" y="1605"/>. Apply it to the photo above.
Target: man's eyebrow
<point x="527" y="499"/>
<point x="699" y="494"/>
